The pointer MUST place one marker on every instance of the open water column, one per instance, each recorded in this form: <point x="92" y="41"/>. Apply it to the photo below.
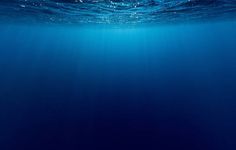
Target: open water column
<point x="117" y="75"/>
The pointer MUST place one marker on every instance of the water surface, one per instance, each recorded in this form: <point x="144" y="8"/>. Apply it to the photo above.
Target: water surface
<point x="116" y="11"/>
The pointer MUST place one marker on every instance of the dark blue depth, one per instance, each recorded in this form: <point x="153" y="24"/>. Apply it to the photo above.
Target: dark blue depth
<point x="98" y="88"/>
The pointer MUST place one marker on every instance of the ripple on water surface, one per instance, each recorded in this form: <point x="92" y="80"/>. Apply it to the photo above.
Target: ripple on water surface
<point x="115" y="11"/>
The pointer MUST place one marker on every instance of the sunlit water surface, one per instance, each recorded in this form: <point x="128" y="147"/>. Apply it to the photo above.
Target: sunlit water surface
<point x="116" y="11"/>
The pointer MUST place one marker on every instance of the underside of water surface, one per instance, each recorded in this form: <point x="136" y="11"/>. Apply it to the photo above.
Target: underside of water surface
<point x="116" y="11"/>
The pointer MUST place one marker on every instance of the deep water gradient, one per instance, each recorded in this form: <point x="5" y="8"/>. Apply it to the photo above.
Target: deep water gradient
<point x="102" y="88"/>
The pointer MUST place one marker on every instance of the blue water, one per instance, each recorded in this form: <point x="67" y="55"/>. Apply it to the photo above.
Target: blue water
<point x="118" y="85"/>
<point x="116" y="11"/>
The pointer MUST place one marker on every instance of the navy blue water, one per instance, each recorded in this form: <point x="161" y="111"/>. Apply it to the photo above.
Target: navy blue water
<point x="159" y="85"/>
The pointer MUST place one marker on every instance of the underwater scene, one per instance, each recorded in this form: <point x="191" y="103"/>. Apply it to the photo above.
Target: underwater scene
<point x="117" y="75"/>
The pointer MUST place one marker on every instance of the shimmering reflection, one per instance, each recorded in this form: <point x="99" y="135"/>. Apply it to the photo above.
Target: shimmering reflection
<point x="115" y="11"/>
